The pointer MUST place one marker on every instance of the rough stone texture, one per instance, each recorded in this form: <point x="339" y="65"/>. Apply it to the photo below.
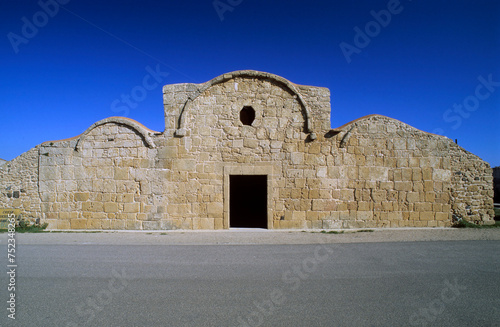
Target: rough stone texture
<point x="19" y="184"/>
<point x="407" y="177"/>
<point x="373" y="172"/>
<point x="106" y="184"/>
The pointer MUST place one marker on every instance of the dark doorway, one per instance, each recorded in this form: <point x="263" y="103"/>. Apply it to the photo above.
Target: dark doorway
<point x="248" y="201"/>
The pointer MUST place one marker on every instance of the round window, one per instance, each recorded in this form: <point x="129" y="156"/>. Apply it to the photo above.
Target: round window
<point x="247" y="115"/>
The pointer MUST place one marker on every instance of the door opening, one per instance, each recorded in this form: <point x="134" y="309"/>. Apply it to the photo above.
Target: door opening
<point x="248" y="201"/>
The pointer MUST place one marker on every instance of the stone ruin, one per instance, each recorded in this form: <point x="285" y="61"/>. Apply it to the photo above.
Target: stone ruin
<point x="248" y="149"/>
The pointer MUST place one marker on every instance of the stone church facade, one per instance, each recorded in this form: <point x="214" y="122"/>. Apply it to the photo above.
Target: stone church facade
<point x="248" y="149"/>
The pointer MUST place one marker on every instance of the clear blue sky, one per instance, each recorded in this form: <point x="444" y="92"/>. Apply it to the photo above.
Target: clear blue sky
<point x="431" y="64"/>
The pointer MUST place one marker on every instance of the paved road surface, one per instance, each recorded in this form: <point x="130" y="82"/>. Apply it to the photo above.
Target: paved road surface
<point x="93" y="283"/>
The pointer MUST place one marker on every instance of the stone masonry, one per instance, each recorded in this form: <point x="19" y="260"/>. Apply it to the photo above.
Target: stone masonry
<point x="372" y="172"/>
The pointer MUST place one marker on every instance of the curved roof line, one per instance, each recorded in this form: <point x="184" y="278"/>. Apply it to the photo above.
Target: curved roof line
<point x="244" y="73"/>
<point x="133" y="124"/>
<point x="346" y="125"/>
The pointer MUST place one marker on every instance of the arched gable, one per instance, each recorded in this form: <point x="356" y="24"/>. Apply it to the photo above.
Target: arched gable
<point x="132" y="124"/>
<point x="284" y="83"/>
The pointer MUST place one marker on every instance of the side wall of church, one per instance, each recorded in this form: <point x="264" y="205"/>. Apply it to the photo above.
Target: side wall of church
<point x="107" y="183"/>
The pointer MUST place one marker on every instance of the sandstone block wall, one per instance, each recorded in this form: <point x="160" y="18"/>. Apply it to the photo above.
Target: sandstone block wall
<point x="395" y="175"/>
<point x="373" y="172"/>
<point x="106" y="184"/>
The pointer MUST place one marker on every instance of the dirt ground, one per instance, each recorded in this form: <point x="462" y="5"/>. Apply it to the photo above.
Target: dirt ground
<point x="256" y="236"/>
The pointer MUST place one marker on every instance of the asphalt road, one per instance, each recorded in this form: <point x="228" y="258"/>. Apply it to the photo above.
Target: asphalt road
<point x="443" y="283"/>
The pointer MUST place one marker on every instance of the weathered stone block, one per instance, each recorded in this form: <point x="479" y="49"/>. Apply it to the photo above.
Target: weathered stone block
<point x="206" y="223"/>
<point x="387" y="206"/>
<point x="443" y="216"/>
<point x="110" y="207"/>
<point x="403" y="186"/>
<point x="331" y="224"/>
<point x="364" y="206"/>
<point x="428" y="186"/>
<point x="131" y="207"/>
<point x="379" y="195"/>
<point x="365" y="215"/>
<point x="82" y="196"/>
<point x="394" y="216"/>
<point x="347" y="195"/>
<point x="215" y="210"/>
<point x="423" y="207"/>
<point x="441" y="175"/>
<point x="50" y="172"/>
<point x="426" y="173"/>
<point x="250" y="143"/>
<point x="430" y="196"/>
<point x="298" y="215"/>
<point x="414" y="162"/>
<point x="78" y="223"/>
<point x="413" y="197"/>
<point x="121" y="173"/>
<point x="427" y="215"/>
